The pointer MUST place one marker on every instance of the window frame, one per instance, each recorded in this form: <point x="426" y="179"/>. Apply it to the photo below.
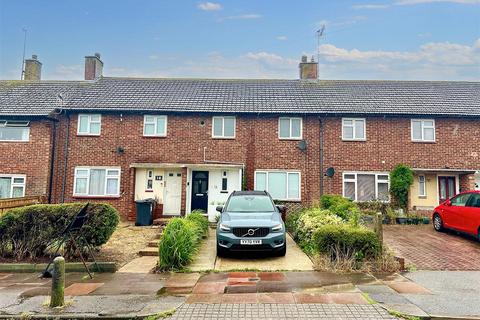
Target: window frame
<point x="13" y="184"/>
<point x="16" y="124"/>
<point x="155" y="123"/>
<point x="422" y="130"/>
<point x="105" y="195"/>
<point x="355" y="180"/>
<point x="88" y="133"/>
<point x="147" y="178"/>
<point x="287" y="172"/>
<point x="424" y="194"/>
<point x="354" y="120"/>
<point x="290" y="137"/>
<point x="223" y="127"/>
<point x="224" y="178"/>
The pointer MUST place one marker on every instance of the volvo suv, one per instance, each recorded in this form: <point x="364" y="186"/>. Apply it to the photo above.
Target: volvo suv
<point x="250" y="221"/>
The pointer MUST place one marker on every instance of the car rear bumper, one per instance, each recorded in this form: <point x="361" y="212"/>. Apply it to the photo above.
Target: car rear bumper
<point x="272" y="242"/>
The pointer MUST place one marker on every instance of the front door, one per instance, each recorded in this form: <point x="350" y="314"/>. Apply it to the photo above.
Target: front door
<point x="446" y="188"/>
<point x="173" y="193"/>
<point x="200" y="190"/>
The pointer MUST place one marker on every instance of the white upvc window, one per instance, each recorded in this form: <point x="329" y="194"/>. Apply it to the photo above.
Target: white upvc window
<point x="354" y="129"/>
<point x="223" y="127"/>
<point x="12" y="186"/>
<point x="12" y="130"/>
<point x="97" y="182"/>
<point x="282" y="185"/>
<point x="423" y="130"/>
<point x="290" y="128"/>
<point x="422" y="189"/>
<point x="366" y="186"/>
<point x="89" y="124"/>
<point x="149" y="180"/>
<point x="154" y="126"/>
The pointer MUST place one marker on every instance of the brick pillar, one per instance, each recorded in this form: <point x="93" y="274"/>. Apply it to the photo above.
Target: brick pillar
<point x="184" y="192"/>
<point x="467" y="182"/>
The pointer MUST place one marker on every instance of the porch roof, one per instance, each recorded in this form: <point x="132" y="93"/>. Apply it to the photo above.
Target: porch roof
<point x="185" y="165"/>
<point x="463" y="171"/>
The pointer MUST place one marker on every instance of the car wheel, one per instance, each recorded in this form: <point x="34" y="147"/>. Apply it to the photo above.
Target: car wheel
<point x="282" y="252"/>
<point x="437" y="222"/>
<point x="221" y="251"/>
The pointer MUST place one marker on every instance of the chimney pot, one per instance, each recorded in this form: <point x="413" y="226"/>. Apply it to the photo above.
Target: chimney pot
<point x="33" y="69"/>
<point x="93" y="67"/>
<point x="304" y="58"/>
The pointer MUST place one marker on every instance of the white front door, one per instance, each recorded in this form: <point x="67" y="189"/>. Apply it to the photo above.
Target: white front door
<point x="173" y="193"/>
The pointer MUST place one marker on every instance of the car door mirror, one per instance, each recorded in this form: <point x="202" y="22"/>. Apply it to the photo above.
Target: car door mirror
<point x="219" y="208"/>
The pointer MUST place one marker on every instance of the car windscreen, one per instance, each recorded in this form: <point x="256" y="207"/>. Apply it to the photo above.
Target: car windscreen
<point x="250" y="203"/>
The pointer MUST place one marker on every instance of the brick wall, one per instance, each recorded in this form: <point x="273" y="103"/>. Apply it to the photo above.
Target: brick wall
<point x="31" y="158"/>
<point x="258" y="147"/>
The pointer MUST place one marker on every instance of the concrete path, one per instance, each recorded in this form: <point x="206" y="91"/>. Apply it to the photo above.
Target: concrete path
<point x="145" y="264"/>
<point x="295" y="259"/>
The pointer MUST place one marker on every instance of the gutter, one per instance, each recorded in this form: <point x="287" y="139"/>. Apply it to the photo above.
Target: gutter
<point x="320" y="120"/>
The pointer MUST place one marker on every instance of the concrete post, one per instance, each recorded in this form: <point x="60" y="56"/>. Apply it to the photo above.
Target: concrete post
<point x="379" y="227"/>
<point x="57" y="298"/>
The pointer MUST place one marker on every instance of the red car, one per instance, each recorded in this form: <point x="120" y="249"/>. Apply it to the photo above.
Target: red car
<point x="460" y="213"/>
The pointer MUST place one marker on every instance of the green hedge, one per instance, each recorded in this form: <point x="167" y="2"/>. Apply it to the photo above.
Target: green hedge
<point x="346" y="241"/>
<point x="342" y="207"/>
<point x="27" y="232"/>
<point x="180" y="241"/>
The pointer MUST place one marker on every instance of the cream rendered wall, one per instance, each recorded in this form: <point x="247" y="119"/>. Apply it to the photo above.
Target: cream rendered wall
<point x="141" y="184"/>
<point x="215" y="196"/>
<point x="430" y="200"/>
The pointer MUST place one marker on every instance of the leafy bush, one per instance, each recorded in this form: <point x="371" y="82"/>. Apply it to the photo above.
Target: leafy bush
<point x="342" y="207"/>
<point x="373" y="206"/>
<point x="180" y="241"/>
<point x="27" y="232"/>
<point x="346" y="242"/>
<point x="291" y="221"/>
<point x="401" y="179"/>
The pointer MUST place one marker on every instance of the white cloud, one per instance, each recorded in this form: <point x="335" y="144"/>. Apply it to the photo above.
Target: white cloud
<point x="68" y="72"/>
<point x="153" y="57"/>
<point x="414" y="2"/>
<point x="209" y="6"/>
<point x="281" y="38"/>
<point x="342" y="22"/>
<point x="249" y="16"/>
<point x="370" y="6"/>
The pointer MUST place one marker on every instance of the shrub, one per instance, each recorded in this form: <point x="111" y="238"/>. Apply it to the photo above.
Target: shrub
<point x="27" y="232"/>
<point x="401" y="179"/>
<point x="342" y="207"/>
<point x="346" y="242"/>
<point x="291" y="221"/>
<point x="180" y="241"/>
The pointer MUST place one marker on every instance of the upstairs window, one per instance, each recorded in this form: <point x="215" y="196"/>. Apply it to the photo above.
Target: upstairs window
<point x="223" y="127"/>
<point x="97" y="182"/>
<point x="353" y="129"/>
<point x="290" y="128"/>
<point x="423" y="130"/>
<point x="14" y="130"/>
<point x="155" y="126"/>
<point x="89" y="124"/>
<point x="12" y="186"/>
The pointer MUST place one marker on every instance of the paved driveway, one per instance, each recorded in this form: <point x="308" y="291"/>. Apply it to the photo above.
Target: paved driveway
<point x="294" y="260"/>
<point x="430" y="250"/>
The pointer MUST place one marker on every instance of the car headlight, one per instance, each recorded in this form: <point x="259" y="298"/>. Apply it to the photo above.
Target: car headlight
<point x="278" y="227"/>
<point x="224" y="227"/>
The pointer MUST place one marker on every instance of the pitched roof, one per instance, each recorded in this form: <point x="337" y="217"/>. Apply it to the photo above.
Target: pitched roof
<point x="436" y="98"/>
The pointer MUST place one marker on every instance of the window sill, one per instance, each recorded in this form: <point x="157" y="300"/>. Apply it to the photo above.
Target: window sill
<point x="290" y="139"/>
<point x="223" y="138"/>
<point x="15" y="141"/>
<point x="354" y="140"/>
<point x="422" y="197"/>
<point x="421" y="141"/>
<point x="154" y="137"/>
<point x="95" y="197"/>
<point x="87" y="135"/>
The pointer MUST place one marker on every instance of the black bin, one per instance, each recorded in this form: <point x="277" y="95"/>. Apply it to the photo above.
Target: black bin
<point x="144" y="212"/>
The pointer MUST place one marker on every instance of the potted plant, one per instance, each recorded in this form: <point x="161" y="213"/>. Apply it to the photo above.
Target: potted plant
<point x="400" y="217"/>
<point x="389" y="216"/>
<point x="426" y="220"/>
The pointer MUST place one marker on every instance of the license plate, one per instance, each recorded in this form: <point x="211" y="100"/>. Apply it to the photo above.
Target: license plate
<point x="250" y="242"/>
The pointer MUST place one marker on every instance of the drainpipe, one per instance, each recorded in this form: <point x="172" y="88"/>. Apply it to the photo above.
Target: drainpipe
<point x="65" y="158"/>
<point x="320" y="120"/>
<point x="52" y="160"/>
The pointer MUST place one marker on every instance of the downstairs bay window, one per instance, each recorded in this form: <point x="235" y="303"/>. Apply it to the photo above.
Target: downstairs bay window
<point x="365" y="186"/>
<point x="282" y="185"/>
<point x="97" y="182"/>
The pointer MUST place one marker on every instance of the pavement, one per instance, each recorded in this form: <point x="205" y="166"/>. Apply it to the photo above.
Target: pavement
<point x="427" y="249"/>
<point x="207" y="260"/>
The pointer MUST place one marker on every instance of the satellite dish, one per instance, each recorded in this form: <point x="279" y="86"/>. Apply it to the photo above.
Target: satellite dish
<point x="330" y="172"/>
<point x="302" y="145"/>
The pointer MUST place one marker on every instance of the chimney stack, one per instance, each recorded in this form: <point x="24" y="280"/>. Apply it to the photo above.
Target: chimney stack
<point x="308" y="70"/>
<point x="33" y="69"/>
<point x="93" y="67"/>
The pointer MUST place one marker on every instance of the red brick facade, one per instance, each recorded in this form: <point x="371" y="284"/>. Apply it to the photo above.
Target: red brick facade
<point x="256" y="145"/>
<point x="31" y="158"/>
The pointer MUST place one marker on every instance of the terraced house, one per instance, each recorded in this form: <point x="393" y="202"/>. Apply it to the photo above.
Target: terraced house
<point x="188" y="143"/>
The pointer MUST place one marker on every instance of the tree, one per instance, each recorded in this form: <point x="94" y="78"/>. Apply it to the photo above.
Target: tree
<point x="401" y="179"/>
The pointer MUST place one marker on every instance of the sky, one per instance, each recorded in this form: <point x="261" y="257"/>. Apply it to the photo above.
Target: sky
<point x="388" y="39"/>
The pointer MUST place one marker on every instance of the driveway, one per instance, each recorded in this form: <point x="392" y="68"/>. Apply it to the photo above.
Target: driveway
<point x="427" y="249"/>
<point x="294" y="260"/>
